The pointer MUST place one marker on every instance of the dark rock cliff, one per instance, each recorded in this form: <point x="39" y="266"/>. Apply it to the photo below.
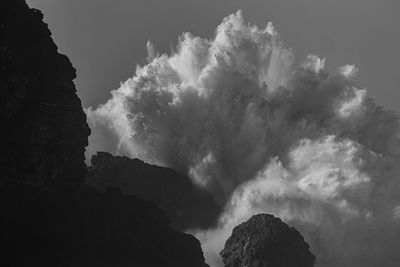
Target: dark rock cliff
<point x="266" y="241"/>
<point x="48" y="215"/>
<point x="44" y="127"/>
<point x="185" y="204"/>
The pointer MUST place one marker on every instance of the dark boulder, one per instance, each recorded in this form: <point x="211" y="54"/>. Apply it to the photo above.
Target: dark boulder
<point x="266" y="241"/>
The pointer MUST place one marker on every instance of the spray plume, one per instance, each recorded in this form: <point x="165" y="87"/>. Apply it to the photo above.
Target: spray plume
<point x="263" y="135"/>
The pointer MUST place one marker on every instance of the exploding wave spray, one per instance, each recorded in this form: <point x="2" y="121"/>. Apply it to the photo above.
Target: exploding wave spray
<point x="265" y="136"/>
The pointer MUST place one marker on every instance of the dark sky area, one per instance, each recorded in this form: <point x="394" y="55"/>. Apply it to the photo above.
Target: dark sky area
<point x="105" y="40"/>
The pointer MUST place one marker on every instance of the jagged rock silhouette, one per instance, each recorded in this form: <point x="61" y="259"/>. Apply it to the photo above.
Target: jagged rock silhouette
<point x="49" y="216"/>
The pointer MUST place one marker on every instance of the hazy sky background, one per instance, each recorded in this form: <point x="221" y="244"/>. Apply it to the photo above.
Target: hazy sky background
<point x="105" y="40"/>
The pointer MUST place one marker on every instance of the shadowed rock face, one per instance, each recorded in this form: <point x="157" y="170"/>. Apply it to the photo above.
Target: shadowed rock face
<point x="44" y="127"/>
<point x="49" y="216"/>
<point x="185" y="204"/>
<point x="83" y="227"/>
<point x="266" y="241"/>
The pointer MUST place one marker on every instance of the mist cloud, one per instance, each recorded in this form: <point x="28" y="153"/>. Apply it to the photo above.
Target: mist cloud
<point x="263" y="135"/>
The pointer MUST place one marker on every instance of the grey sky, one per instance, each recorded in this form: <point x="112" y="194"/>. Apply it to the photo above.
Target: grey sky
<point x="106" y="39"/>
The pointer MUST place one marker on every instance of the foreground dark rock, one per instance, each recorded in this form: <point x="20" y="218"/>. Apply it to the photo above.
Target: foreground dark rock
<point x="266" y="241"/>
<point x="185" y="204"/>
<point x="48" y="215"/>
<point x="44" y="127"/>
<point x="82" y="227"/>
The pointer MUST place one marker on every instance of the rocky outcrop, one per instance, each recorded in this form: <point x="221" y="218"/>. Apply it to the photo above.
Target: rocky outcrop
<point x="44" y="128"/>
<point x="83" y="227"/>
<point x="185" y="204"/>
<point x="266" y="241"/>
<point x="48" y="215"/>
